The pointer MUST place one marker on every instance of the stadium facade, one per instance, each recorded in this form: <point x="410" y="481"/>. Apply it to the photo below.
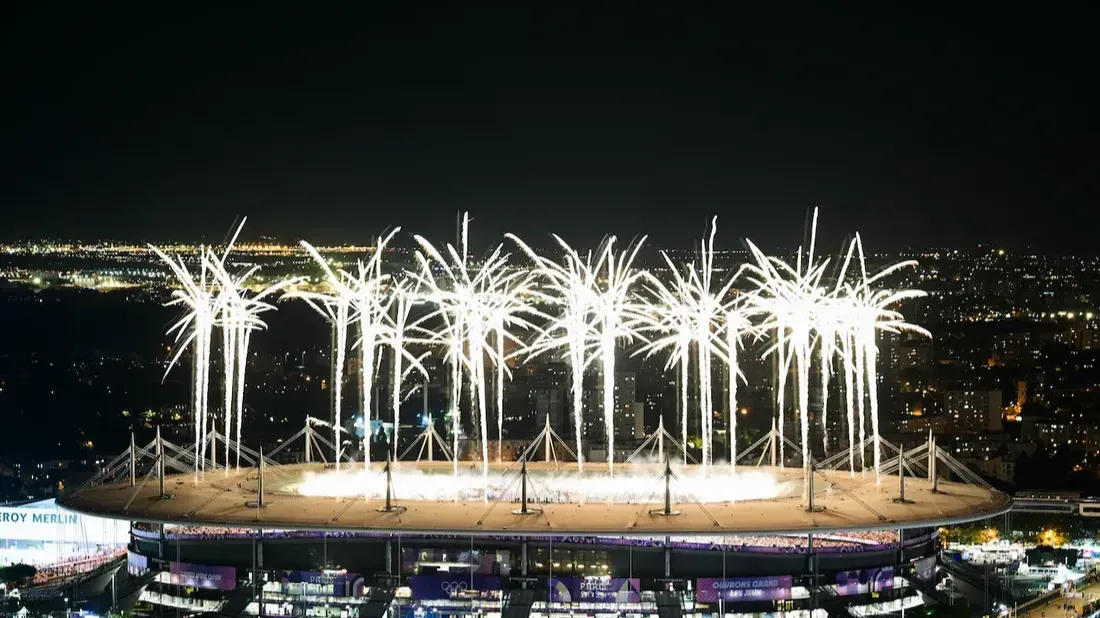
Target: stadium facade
<point x="204" y="568"/>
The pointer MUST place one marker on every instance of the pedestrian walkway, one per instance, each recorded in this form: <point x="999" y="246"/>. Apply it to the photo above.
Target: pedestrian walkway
<point x="1064" y="607"/>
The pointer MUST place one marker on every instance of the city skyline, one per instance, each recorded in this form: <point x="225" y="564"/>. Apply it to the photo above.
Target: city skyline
<point x="405" y="242"/>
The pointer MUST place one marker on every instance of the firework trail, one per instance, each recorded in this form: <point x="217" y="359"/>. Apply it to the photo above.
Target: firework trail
<point x="866" y="311"/>
<point x="238" y="315"/>
<point x="570" y="287"/>
<point x="617" y="313"/>
<point x="790" y="298"/>
<point x="193" y="331"/>
<point x="404" y="294"/>
<point x="696" y="314"/>
<point x="371" y="303"/>
<point x="474" y="301"/>
<point x="335" y="305"/>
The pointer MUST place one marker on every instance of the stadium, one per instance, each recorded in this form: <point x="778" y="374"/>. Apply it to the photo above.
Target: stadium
<point x="227" y="541"/>
<point x="325" y="523"/>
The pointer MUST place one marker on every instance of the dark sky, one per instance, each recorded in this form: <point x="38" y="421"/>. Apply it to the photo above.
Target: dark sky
<point x="921" y="128"/>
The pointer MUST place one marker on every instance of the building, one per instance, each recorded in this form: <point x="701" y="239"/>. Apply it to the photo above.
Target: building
<point x="625" y="412"/>
<point x="922" y="424"/>
<point x="1063" y="430"/>
<point x="639" y="419"/>
<point x="42" y="533"/>
<point x="1002" y="467"/>
<point x="974" y="410"/>
<point x="982" y="446"/>
<point x="911" y="354"/>
<point x="537" y="391"/>
<point x="1018" y="347"/>
<point x="1085" y="335"/>
<point x="306" y="573"/>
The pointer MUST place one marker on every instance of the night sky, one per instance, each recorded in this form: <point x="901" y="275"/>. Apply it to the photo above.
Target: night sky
<point x="917" y="129"/>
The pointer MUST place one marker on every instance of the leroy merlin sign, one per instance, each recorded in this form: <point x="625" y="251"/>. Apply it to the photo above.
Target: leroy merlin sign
<point x="36" y="517"/>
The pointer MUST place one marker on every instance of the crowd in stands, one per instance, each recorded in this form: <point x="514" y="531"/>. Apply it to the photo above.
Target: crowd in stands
<point x="854" y="541"/>
<point x="76" y="565"/>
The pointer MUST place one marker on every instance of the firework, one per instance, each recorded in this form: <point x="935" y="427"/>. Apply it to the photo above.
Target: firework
<point x="806" y="316"/>
<point x="598" y="308"/>
<point x="569" y="286"/>
<point x="673" y="314"/>
<point x="400" y="333"/>
<point x="216" y="299"/>
<point x="238" y="315"/>
<point x="866" y="311"/>
<point x="790" y="298"/>
<point x="193" y="331"/>
<point x="372" y="301"/>
<point x="599" y="300"/>
<point x="474" y="301"/>
<point x="616" y="312"/>
<point x="696" y="313"/>
<point x="335" y="306"/>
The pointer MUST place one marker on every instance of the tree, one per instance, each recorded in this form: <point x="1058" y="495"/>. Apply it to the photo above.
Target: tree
<point x="967" y="534"/>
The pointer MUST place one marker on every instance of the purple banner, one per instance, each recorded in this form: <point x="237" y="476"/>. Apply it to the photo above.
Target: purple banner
<point x="595" y="590"/>
<point x="864" y="580"/>
<point x="430" y="587"/>
<point x="713" y="589"/>
<point x="203" y="576"/>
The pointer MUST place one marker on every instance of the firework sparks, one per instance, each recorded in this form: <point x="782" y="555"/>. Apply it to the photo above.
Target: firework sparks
<point x="239" y="316"/>
<point x="598" y="308"/>
<point x="193" y="331"/>
<point x="842" y="322"/>
<point x="601" y="300"/>
<point x="216" y="299"/>
<point x="334" y="305"/>
<point x="569" y="287"/>
<point x="616" y="313"/>
<point x="372" y="301"/>
<point x="475" y="301"/>
<point x="790" y="298"/>
<point x="401" y="332"/>
<point x="865" y="311"/>
<point x="696" y="314"/>
<point x="673" y="314"/>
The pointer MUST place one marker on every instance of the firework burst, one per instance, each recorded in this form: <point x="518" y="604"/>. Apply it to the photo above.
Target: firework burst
<point x="475" y="301"/>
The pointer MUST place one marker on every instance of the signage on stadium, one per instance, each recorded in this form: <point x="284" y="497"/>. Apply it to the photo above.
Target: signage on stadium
<point x="203" y="576"/>
<point x="336" y="583"/>
<point x="52" y="524"/>
<point x="457" y="585"/>
<point x="711" y="589"/>
<point x="20" y="517"/>
<point x="595" y="589"/>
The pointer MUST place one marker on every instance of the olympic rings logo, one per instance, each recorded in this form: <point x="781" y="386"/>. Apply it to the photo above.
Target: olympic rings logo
<point x="453" y="588"/>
